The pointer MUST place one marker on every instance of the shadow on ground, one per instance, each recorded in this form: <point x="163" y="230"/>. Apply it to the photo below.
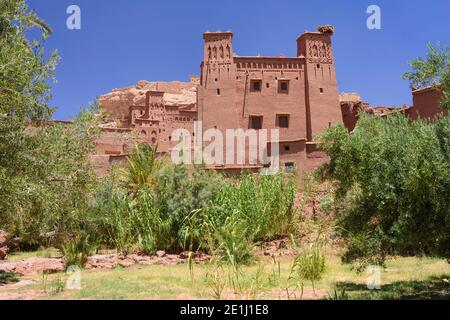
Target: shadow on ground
<point x="8" y="277"/>
<point x="432" y="288"/>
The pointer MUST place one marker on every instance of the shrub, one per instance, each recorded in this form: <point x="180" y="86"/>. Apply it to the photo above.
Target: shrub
<point x="309" y="264"/>
<point x="393" y="186"/>
<point x="192" y="209"/>
<point x="77" y="250"/>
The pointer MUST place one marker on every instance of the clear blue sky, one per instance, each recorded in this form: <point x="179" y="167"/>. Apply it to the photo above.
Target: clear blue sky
<point x="124" y="41"/>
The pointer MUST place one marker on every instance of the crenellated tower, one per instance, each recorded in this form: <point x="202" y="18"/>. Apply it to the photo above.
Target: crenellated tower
<point x="218" y="82"/>
<point x="321" y="89"/>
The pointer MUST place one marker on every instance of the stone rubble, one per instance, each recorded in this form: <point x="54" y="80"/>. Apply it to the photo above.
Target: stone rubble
<point x="108" y="261"/>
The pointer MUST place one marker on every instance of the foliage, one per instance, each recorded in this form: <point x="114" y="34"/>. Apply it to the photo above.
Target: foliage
<point x="24" y="71"/>
<point x="77" y="250"/>
<point x="393" y="186"/>
<point x="46" y="179"/>
<point x="433" y="71"/>
<point x="181" y="208"/>
<point x="253" y="208"/>
<point x="142" y="166"/>
<point x="309" y="264"/>
<point x="49" y="201"/>
<point x="24" y="94"/>
<point x="337" y="294"/>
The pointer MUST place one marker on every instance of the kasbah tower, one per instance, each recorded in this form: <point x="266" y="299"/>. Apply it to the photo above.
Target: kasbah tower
<point x="297" y="95"/>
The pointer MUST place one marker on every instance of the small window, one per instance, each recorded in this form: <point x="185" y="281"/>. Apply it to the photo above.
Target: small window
<point x="321" y="90"/>
<point x="282" y="121"/>
<point x="218" y="92"/>
<point x="255" y="85"/>
<point x="267" y="85"/>
<point x="287" y="148"/>
<point x="256" y="122"/>
<point x="283" y="86"/>
<point x="289" y="167"/>
<point x="318" y="66"/>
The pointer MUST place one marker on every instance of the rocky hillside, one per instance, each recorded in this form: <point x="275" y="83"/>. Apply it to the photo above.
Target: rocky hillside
<point x="181" y="94"/>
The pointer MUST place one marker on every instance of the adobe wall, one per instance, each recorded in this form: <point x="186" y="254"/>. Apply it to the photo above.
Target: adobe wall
<point x="302" y="89"/>
<point x="269" y="101"/>
<point x="228" y="98"/>
<point x="426" y="104"/>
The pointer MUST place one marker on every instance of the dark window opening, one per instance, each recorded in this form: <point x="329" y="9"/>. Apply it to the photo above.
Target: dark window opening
<point x="318" y="66"/>
<point x="267" y="85"/>
<point x="283" y="87"/>
<point x="321" y="90"/>
<point x="255" y="85"/>
<point x="289" y="167"/>
<point x="283" y="121"/>
<point x="256" y="122"/>
<point x="287" y="148"/>
<point x="218" y="92"/>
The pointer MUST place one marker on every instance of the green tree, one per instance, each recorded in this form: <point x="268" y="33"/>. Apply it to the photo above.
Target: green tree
<point x="24" y="96"/>
<point x="45" y="175"/>
<point x="393" y="186"/>
<point x="392" y="176"/>
<point x="433" y="71"/>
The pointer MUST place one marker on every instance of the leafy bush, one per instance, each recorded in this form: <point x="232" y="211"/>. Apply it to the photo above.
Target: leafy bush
<point x="250" y="209"/>
<point x="51" y="200"/>
<point x="309" y="264"/>
<point x="78" y="250"/>
<point x="175" y="207"/>
<point x="393" y="186"/>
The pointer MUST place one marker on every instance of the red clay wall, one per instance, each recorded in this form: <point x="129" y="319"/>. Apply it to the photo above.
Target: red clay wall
<point x="426" y="104"/>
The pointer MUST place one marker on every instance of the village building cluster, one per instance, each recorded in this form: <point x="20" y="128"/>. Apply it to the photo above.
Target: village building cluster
<point x="296" y="95"/>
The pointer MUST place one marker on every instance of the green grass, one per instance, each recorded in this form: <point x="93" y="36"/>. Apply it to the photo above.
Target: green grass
<point x="41" y="253"/>
<point x="403" y="278"/>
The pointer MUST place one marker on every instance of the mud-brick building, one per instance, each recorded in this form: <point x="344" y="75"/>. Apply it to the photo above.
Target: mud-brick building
<point x="298" y="95"/>
<point x="426" y="103"/>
